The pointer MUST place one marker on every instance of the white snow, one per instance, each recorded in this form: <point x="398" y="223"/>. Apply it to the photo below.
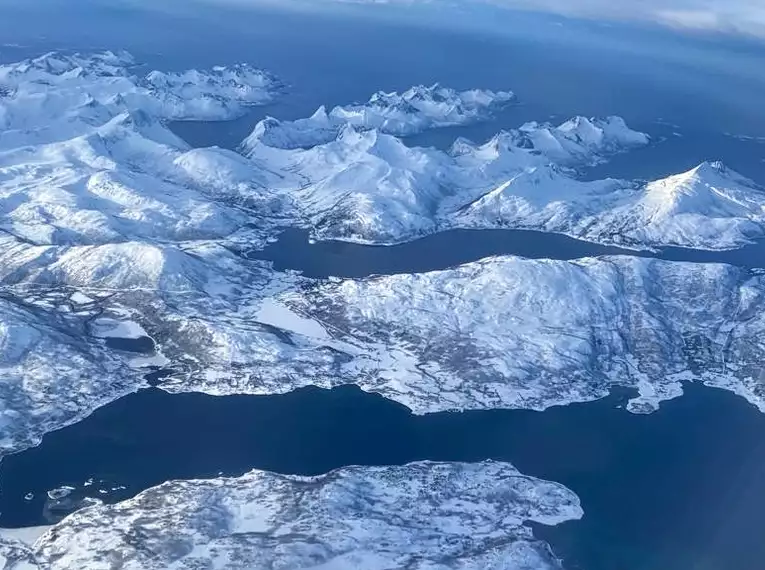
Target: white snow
<point x="111" y="328"/>
<point x="28" y="535"/>
<point x="79" y="298"/>
<point x="271" y="312"/>
<point x="154" y="361"/>
<point x="368" y="186"/>
<point x="58" y="96"/>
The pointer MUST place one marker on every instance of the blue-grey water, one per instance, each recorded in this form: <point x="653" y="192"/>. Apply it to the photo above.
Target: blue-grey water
<point x="140" y="345"/>
<point x="681" y="489"/>
<point x="293" y="250"/>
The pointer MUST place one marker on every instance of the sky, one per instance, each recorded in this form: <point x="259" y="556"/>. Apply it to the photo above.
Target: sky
<point x="740" y="17"/>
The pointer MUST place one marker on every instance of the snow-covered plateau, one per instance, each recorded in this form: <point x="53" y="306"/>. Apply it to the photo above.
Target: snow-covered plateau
<point x="510" y="332"/>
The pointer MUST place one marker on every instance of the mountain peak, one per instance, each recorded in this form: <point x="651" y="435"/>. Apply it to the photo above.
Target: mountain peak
<point x="713" y="175"/>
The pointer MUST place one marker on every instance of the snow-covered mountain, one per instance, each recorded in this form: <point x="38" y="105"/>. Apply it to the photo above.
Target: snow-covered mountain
<point x="708" y="207"/>
<point x="67" y="79"/>
<point x="221" y="93"/>
<point x="580" y="138"/>
<point x="419" y="516"/>
<point x="57" y="96"/>
<point x="367" y="186"/>
<point x="99" y="201"/>
<point x="539" y="197"/>
<point x="413" y="111"/>
<point x="92" y="146"/>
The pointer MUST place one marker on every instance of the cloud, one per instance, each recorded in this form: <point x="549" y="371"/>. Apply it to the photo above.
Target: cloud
<point x="730" y="16"/>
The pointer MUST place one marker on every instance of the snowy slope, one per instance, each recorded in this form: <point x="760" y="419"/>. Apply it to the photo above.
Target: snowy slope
<point x="413" y="111"/>
<point x="419" y="516"/>
<point x="368" y="187"/>
<point x="540" y="198"/>
<point x="86" y="159"/>
<point x="129" y="179"/>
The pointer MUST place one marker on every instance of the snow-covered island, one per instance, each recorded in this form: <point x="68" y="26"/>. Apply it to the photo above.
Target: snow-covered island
<point x="58" y="90"/>
<point x="401" y="114"/>
<point x="420" y="516"/>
